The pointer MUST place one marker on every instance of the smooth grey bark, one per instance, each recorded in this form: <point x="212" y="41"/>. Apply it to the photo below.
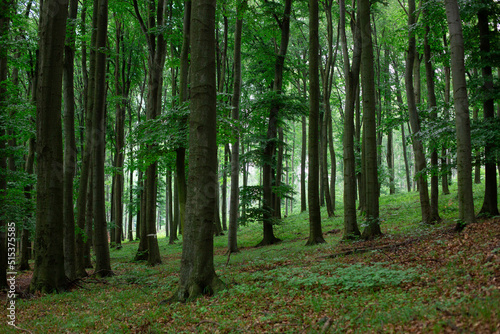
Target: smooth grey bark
<point x="432" y="104"/>
<point x="197" y="275"/>
<point x="462" y="120"/>
<point x="235" y="152"/>
<point x="420" y="160"/>
<point x="351" y="74"/>
<point x="303" y="196"/>
<point x="372" y="228"/>
<point x="69" y="144"/>
<point x="268" y="177"/>
<point x="315" y="232"/>
<point x="180" y="158"/>
<point x="101" y="246"/>
<point x="48" y="274"/>
<point x="156" y="60"/>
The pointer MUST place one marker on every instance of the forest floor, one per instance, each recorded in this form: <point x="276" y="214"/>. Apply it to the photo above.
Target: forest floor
<point x="416" y="278"/>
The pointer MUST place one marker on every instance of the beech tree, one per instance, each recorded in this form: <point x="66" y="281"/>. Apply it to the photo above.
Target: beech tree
<point x="48" y="274"/>
<point x="315" y="232"/>
<point x="462" y="120"/>
<point x="268" y="175"/>
<point x="101" y="246"/>
<point x="351" y="74"/>
<point x="372" y="228"/>
<point x="197" y="267"/>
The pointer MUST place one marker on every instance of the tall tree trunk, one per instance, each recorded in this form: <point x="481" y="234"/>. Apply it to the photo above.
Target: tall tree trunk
<point x="490" y="202"/>
<point x="399" y="99"/>
<point x="49" y="273"/>
<point x="131" y="184"/>
<point x="462" y="121"/>
<point x="69" y="144"/>
<point x="197" y="268"/>
<point x="445" y="171"/>
<point x="82" y="239"/>
<point x="89" y="220"/>
<point x="420" y="161"/>
<point x="351" y="74"/>
<point x="120" y="139"/>
<point x="315" y="232"/>
<point x="270" y="148"/>
<point x="101" y="246"/>
<point x="279" y="175"/>
<point x="324" y="164"/>
<point x="235" y="153"/>
<point x="156" y="60"/>
<point x="432" y="104"/>
<point x="175" y="220"/>
<point x="303" y="198"/>
<point x="184" y="95"/>
<point x="224" y="171"/>
<point x="6" y="10"/>
<point x="372" y="229"/>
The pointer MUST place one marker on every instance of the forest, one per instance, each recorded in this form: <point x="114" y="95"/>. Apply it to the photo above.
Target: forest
<point x="319" y="166"/>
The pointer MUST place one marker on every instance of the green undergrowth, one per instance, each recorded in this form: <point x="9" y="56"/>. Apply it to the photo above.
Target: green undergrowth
<point x="431" y="280"/>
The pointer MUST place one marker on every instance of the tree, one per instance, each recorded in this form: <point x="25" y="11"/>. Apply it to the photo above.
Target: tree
<point x="49" y="273"/>
<point x="490" y="202"/>
<point x="372" y="228"/>
<point x="156" y="60"/>
<point x="351" y="74"/>
<point x="432" y="104"/>
<point x="268" y="177"/>
<point x="69" y="144"/>
<point x="101" y="246"/>
<point x="82" y="241"/>
<point x="5" y="12"/>
<point x="462" y="120"/>
<point x="197" y="267"/>
<point x="418" y="149"/>
<point x="235" y="155"/>
<point x="315" y="232"/>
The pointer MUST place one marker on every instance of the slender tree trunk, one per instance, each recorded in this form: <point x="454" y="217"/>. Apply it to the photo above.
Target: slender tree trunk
<point x="89" y="218"/>
<point x="420" y="161"/>
<point x="101" y="246"/>
<point x="462" y="121"/>
<point x="224" y="171"/>
<point x="184" y="95"/>
<point x="25" y="237"/>
<point x="235" y="153"/>
<point x="69" y="144"/>
<point x="49" y="273"/>
<point x="372" y="229"/>
<point x="399" y="99"/>
<point x="175" y="221"/>
<point x="351" y="74"/>
<point x="6" y="10"/>
<point x="324" y="165"/>
<point x="131" y="184"/>
<point x="82" y="239"/>
<point x="303" y="198"/>
<point x="477" y="155"/>
<point x="445" y="171"/>
<point x="270" y="148"/>
<point x="120" y="141"/>
<point x="315" y="232"/>
<point x="490" y="202"/>
<point x="432" y="104"/>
